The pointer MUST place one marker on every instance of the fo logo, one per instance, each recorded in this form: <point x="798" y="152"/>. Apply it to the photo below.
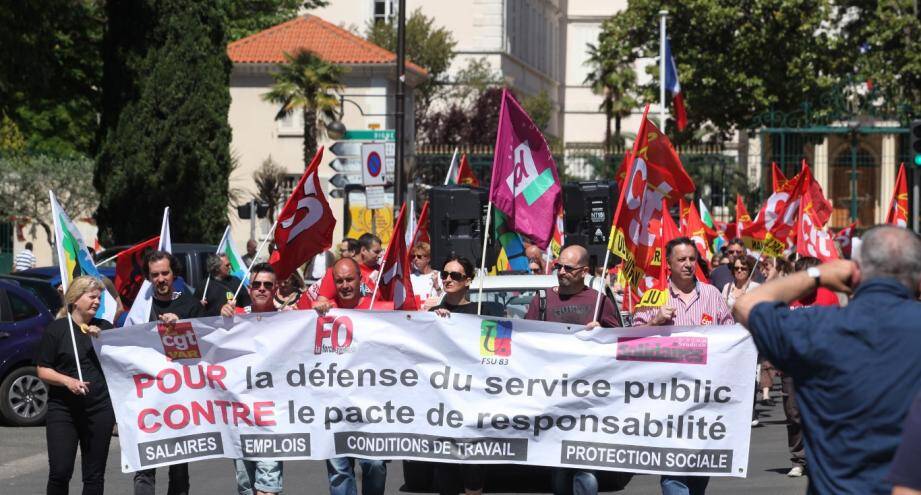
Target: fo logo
<point x="333" y="335"/>
<point x="179" y="341"/>
<point x="495" y="339"/>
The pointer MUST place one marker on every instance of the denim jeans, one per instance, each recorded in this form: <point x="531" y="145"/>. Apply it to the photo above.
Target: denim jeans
<point x="574" y="481"/>
<point x="684" y="485"/>
<point x="341" y="471"/>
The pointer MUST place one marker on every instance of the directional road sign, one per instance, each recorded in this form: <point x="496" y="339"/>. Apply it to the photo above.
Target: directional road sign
<point x="371" y="135"/>
<point x="346" y="148"/>
<point x="346" y="165"/>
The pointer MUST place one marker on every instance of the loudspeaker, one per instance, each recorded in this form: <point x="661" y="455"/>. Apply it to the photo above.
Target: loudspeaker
<point x="457" y="218"/>
<point x="588" y="212"/>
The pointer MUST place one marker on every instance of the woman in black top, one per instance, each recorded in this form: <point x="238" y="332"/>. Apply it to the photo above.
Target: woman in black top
<point x="455" y="278"/>
<point x="79" y="412"/>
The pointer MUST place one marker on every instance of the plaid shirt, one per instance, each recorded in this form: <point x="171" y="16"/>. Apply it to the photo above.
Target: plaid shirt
<point x="706" y="307"/>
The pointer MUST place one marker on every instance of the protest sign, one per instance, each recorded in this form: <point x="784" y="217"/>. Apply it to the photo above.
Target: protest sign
<point x="412" y="385"/>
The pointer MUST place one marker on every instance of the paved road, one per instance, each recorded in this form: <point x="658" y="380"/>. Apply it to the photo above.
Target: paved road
<point x="24" y="468"/>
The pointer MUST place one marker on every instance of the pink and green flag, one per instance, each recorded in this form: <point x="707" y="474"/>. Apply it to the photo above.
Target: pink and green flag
<point x="525" y="185"/>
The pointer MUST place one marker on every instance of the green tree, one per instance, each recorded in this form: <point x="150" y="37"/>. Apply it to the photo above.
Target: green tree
<point x="246" y="17"/>
<point x="269" y="180"/>
<point x="428" y="46"/>
<point x="166" y="137"/>
<point x="614" y="79"/>
<point x="736" y="58"/>
<point x="306" y="83"/>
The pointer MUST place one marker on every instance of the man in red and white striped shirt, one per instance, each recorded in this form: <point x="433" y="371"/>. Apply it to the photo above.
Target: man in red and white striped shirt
<point x="690" y="303"/>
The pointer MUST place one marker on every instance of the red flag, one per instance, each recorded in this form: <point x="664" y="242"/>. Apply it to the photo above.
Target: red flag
<point x="129" y="271"/>
<point x="305" y="224"/>
<point x="621" y="173"/>
<point x="465" y="174"/>
<point x="777" y="177"/>
<point x="812" y="240"/>
<point x="394" y="283"/>
<point x="843" y="238"/>
<point x="422" y="226"/>
<point x="898" y="207"/>
<point x="821" y="206"/>
<point x="777" y="220"/>
<point x="742" y="217"/>
<point x="697" y="231"/>
<point x="656" y="174"/>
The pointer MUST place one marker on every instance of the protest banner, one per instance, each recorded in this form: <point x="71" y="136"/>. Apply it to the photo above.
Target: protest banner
<point x="412" y="385"/>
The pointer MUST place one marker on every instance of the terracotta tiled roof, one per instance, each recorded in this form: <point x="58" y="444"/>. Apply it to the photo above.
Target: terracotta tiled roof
<point x="327" y="41"/>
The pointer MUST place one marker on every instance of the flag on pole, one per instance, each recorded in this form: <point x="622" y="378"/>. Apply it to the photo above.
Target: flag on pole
<point x="777" y="220"/>
<point x="140" y="309"/>
<point x="821" y="206"/>
<point x="742" y="217"/>
<point x="898" y="206"/>
<point x="697" y="231"/>
<point x="525" y="186"/>
<point x="74" y="258"/>
<point x="465" y="175"/>
<point x="129" y="270"/>
<point x="305" y="224"/>
<point x="421" y="233"/>
<point x="777" y="177"/>
<point x="705" y="215"/>
<point x="394" y="283"/>
<point x="673" y="86"/>
<point x="451" y="176"/>
<point x="844" y="237"/>
<point x="229" y="248"/>
<point x="512" y="256"/>
<point x="655" y="174"/>
<point x="811" y="238"/>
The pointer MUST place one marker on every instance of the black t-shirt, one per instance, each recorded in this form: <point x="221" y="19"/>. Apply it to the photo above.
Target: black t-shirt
<point x="489" y="308"/>
<point x="218" y="293"/>
<point x="183" y="305"/>
<point x="56" y="351"/>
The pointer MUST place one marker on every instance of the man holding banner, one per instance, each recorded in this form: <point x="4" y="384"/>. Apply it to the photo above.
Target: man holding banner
<point x="167" y="306"/>
<point x="690" y="303"/>
<point x="221" y="286"/>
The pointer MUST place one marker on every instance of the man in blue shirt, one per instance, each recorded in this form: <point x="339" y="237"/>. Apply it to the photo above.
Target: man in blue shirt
<point x="855" y="368"/>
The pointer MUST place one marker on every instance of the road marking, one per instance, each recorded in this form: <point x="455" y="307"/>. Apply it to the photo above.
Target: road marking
<point x="26" y="465"/>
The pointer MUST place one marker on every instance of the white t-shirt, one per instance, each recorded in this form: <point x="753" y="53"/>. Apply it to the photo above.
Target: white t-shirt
<point x="426" y="285"/>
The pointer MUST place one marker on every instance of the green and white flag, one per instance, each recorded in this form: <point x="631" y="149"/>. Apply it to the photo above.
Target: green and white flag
<point x="229" y="248"/>
<point x="705" y="214"/>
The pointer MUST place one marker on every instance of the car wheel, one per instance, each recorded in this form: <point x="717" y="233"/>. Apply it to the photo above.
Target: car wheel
<point x="23" y="398"/>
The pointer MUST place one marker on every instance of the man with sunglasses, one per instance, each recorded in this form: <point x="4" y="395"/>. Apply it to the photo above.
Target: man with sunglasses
<point x="574" y="303"/>
<point x="258" y="477"/>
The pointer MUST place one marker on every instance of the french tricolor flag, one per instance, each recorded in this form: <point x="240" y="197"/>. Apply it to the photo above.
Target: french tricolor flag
<point x="674" y="87"/>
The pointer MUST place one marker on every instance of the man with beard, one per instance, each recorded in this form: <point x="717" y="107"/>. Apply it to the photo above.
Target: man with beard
<point x="221" y="287"/>
<point x="168" y="306"/>
<point x="574" y="303"/>
<point x="690" y="303"/>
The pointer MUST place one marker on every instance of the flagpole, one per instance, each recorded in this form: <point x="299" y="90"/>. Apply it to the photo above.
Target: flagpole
<point x="110" y="258"/>
<point x="271" y="235"/>
<point x="380" y="272"/>
<point x="482" y="274"/>
<point x="451" y="166"/>
<point x="204" y="292"/>
<point x="64" y="283"/>
<point x="663" y="109"/>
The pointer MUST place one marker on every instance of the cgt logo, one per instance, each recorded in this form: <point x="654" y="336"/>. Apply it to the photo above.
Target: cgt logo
<point x="333" y="335"/>
<point x="495" y="341"/>
<point x="179" y="341"/>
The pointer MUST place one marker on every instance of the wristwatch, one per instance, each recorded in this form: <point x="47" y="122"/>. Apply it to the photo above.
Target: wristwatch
<point x="814" y="273"/>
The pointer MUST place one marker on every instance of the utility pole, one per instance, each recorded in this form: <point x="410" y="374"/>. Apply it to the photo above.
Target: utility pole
<point x="398" y="177"/>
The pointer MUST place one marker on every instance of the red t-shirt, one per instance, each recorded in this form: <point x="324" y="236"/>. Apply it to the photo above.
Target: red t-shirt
<point x="363" y="303"/>
<point x="328" y="286"/>
<point x="821" y="297"/>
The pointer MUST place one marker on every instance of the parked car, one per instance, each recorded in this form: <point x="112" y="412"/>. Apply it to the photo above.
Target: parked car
<point x="192" y="260"/>
<point x="23" y="397"/>
<point x="514" y="293"/>
<point x="40" y="288"/>
<point x="52" y="274"/>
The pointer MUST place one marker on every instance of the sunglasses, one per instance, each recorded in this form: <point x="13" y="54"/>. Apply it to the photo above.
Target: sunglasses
<point x="257" y="284"/>
<point x="420" y="256"/>
<point x="455" y="276"/>
<point x="739" y="269"/>
<point x="561" y="267"/>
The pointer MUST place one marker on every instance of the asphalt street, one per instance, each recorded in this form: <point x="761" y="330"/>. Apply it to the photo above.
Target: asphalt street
<point x="24" y="468"/>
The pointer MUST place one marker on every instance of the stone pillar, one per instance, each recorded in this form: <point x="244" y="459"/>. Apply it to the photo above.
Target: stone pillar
<point x="753" y="163"/>
<point x="821" y="164"/>
<point x="887" y="171"/>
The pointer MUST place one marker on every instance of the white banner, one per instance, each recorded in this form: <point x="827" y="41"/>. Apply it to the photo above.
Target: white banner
<point x="400" y="385"/>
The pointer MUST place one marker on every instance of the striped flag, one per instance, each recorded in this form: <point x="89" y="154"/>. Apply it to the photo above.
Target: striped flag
<point x="74" y="258"/>
<point x="229" y="248"/>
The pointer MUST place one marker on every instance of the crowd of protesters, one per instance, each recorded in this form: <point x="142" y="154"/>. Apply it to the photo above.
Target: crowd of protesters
<point x="839" y="335"/>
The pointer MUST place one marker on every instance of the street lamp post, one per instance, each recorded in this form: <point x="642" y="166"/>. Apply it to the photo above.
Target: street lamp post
<point x="398" y="179"/>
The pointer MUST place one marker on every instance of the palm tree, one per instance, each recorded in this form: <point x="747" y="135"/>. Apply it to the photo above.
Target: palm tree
<point x="306" y="83"/>
<point x="614" y="78"/>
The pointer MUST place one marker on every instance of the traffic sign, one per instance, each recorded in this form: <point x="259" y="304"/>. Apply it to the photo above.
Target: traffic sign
<point x="372" y="159"/>
<point x="346" y="165"/>
<point x="371" y="135"/>
<point x="346" y="148"/>
<point x="342" y="180"/>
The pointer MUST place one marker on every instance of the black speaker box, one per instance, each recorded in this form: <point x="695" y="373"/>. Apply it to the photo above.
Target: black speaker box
<point x="457" y="218"/>
<point x="588" y="212"/>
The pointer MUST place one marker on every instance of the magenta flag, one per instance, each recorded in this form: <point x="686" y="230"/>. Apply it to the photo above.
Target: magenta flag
<point x="525" y="186"/>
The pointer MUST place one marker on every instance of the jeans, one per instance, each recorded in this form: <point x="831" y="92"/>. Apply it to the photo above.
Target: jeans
<point x="65" y="428"/>
<point x="574" y="481"/>
<point x="261" y="476"/>
<point x="794" y="423"/>
<point x="145" y="480"/>
<point x="684" y="485"/>
<point x="341" y="471"/>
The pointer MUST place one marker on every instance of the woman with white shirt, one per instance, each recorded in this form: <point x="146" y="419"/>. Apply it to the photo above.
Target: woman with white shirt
<point x="742" y="269"/>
